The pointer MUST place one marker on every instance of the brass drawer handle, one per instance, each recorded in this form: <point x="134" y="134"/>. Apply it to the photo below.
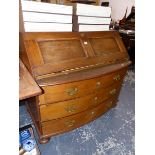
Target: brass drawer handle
<point x="113" y="92"/>
<point x="93" y="112"/>
<point x="96" y="100"/>
<point x="117" y="77"/>
<point x="98" y="84"/>
<point x="70" y="123"/>
<point x="72" y="91"/>
<point x="71" y="108"/>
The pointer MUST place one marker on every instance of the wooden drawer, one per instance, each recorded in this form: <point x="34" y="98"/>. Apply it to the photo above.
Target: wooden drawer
<point x="68" y="123"/>
<point x="69" y="107"/>
<point x="77" y="89"/>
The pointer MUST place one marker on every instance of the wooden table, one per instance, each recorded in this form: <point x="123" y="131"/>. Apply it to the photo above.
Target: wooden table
<point x="27" y="86"/>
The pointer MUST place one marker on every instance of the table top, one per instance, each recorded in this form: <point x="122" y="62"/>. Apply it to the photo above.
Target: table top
<point x="27" y="85"/>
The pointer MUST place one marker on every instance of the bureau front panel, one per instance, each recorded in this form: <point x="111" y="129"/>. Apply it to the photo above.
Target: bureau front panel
<point x="68" y="123"/>
<point x="61" y="50"/>
<point x="69" y="107"/>
<point x="107" y="48"/>
<point x="77" y="89"/>
<point x="58" y="52"/>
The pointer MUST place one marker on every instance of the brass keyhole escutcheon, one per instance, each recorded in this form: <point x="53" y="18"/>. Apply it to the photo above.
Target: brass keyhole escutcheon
<point x="98" y="84"/>
<point x="72" y="91"/>
<point x="92" y="113"/>
<point x="95" y="100"/>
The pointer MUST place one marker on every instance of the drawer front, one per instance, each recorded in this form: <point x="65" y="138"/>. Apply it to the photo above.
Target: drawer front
<point x="81" y="88"/>
<point x="68" y="123"/>
<point x="69" y="107"/>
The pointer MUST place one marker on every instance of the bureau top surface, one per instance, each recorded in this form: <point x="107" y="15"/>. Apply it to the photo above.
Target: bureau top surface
<point x="52" y="53"/>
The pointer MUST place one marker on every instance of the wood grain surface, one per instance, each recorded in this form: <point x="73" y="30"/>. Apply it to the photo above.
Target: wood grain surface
<point x="27" y="86"/>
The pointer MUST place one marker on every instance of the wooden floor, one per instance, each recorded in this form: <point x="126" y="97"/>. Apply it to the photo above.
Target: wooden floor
<point x="111" y="134"/>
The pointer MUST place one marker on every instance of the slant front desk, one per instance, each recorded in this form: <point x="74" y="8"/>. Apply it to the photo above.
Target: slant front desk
<point x="80" y="75"/>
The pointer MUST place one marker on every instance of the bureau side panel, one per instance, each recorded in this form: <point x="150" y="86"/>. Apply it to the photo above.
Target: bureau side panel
<point x="33" y="109"/>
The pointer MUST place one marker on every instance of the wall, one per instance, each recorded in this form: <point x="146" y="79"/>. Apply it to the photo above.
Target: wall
<point x="119" y="8"/>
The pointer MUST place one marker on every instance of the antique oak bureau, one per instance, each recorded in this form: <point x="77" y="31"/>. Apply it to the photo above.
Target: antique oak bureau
<point x="80" y="74"/>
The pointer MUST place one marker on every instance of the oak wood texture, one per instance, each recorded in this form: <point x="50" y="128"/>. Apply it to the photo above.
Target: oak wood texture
<point x="76" y="105"/>
<point x="60" y="52"/>
<point x="41" y="111"/>
<point x="74" y="121"/>
<point x="79" y="88"/>
<point x="27" y="86"/>
<point x="79" y="74"/>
